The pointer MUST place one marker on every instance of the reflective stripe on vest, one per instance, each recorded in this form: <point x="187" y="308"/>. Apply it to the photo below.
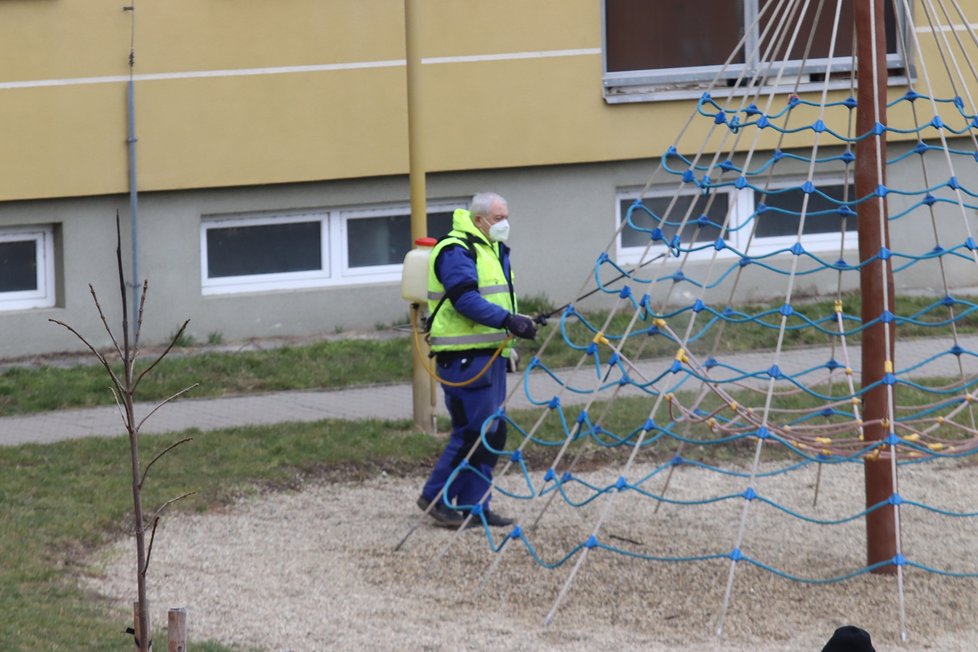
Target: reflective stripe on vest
<point x="468" y="340"/>
<point x="484" y="291"/>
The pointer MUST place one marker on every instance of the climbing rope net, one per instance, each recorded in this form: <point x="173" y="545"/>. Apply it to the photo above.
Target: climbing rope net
<point x="792" y="153"/>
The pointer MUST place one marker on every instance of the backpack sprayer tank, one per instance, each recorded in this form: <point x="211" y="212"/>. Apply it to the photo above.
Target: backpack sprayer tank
<point x="414" y="279"/>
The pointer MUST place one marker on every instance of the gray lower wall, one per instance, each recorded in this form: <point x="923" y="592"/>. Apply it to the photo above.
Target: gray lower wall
<point x="562" y="218"/>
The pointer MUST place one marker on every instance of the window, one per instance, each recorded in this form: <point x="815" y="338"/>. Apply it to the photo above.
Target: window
<point x="825" y="217"/>
<point x="671" y="49"/>
<point x="376" y="241"/>
<point x="773" y="216"/>
<point x="653" y="218"/>
<point x="27" y="268"/>
<point x="292" y="251"/>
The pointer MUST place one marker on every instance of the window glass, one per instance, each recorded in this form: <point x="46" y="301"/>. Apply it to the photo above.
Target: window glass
<point x="245" y="250"/>
<point x="671" y="33"/>
<point x="651" y="214"/>
<point x="385" y="240"/>
<point x="439" y="224"/>
<point x="676" y="48"/>
<point x="27" y="267"/>
<point x="775" y="45"/>
<point x="821" y="215"/>
<point x="309" y="250"/>
<point x="18" y="265"/>
<point x="757" y="223"/>
<point x="378" y="240"/>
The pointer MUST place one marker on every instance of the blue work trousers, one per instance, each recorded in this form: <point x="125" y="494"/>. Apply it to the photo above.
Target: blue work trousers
<point x="469" y="407"/>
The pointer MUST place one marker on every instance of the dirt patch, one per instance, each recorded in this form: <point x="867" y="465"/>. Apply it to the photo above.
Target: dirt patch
<point x="316" y="569"/>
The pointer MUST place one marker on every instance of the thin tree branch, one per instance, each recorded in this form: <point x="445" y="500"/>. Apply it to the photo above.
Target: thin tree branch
<point x="149" y="548"/>
<point x="126" y="419"/>
<point x="105" y="322"/>
<point x="162" y="355"/>
<point x="162" y="508"/>
<point x="156" y="521"/>
<point x="125" y="303"/>
<point x="139" y="319"/>
<point x="161" y="454"/>
<point x="101" y="358"/>
<point x="164" y="402"/>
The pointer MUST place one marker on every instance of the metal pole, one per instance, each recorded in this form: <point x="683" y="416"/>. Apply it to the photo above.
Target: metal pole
<point x="423" y="390"/>
<point x="133" y="185"/>
<point x="876" y="278"/>
<point x="133" y="208"/>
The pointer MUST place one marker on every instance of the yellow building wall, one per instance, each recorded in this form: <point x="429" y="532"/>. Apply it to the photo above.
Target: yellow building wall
<point x="223" y="98"/>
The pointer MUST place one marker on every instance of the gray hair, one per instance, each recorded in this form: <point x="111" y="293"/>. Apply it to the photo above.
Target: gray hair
<point x="483" y="201"/>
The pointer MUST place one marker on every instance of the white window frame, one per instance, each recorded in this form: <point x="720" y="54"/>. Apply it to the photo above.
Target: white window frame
<point x="814" y="242"/>
<point x="741" y="205"/>
<point x="666" y="84"/>
<point x="376" y="273"/>
<point x="335" y="270"/>
<point x="264" y="282"/>
<point x="44" y="296"/>
<point x="633" y="255"/>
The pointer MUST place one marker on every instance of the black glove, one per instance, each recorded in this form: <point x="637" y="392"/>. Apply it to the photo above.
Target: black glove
<point x="520" y="326"/>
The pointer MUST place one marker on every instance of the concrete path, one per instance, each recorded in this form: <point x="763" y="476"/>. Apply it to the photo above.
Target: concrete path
<point x="395" y="401"/>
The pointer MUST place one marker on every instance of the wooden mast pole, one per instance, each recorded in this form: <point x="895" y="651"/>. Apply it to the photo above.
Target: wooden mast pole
<point x="876" y="278"/>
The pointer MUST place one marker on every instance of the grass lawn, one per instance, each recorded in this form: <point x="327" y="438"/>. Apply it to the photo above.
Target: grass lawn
<point x="341" y="363"/>
<point x="327" y="364"/>
<point x="61" y="500"/>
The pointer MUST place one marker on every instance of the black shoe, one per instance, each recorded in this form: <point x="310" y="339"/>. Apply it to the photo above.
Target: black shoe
<point x="495" y="520"/>
<point x="444" y="516"/>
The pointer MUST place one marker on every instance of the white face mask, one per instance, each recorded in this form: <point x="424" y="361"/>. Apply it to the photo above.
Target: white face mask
<point x="499" y="232"/>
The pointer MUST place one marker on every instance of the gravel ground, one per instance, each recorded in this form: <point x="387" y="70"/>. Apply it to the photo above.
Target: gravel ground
<point x="316" y="570"/>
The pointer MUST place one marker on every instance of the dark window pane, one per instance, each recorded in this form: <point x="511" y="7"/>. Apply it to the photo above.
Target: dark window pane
<point x="264" y="249"/>
<point x="386" y="240"/>
<point x="778" y="40"/>
<point x="378" y="240"/>
<point x="648" y="35"/>
<point x="439" y="223"/>
<point x="18" y="266"/>
<point x="644" y="220"/>
<point x="784" y="221"/>
<point x="644" y="35"/>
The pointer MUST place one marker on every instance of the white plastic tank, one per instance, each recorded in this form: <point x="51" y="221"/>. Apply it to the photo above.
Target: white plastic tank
<point x="414" y="279"/>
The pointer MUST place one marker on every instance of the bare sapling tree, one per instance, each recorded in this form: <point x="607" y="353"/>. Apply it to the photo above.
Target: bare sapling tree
<point x="123" y="387"/>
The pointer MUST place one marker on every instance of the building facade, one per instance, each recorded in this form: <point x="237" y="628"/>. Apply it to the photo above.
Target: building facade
<point x="271" y="161"/>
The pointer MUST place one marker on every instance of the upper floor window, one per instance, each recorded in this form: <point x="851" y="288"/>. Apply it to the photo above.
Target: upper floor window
<point x="752" y="222"/>
<point x="672" y="49"/>
<point x="252" y="253"/>
<point x="27" y="267"/>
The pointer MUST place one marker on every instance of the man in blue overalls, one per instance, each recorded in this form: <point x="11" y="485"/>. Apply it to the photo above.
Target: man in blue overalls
<point x="472" y="305"/>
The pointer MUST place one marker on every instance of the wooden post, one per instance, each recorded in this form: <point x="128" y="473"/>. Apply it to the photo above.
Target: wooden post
<point x="876" y="278"/>
<point x="176" y="630"/>
<point x="141" y="642"/>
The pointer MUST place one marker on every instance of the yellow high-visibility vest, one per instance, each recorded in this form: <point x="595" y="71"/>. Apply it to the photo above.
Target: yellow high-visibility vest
<point x="450" y="330"/>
